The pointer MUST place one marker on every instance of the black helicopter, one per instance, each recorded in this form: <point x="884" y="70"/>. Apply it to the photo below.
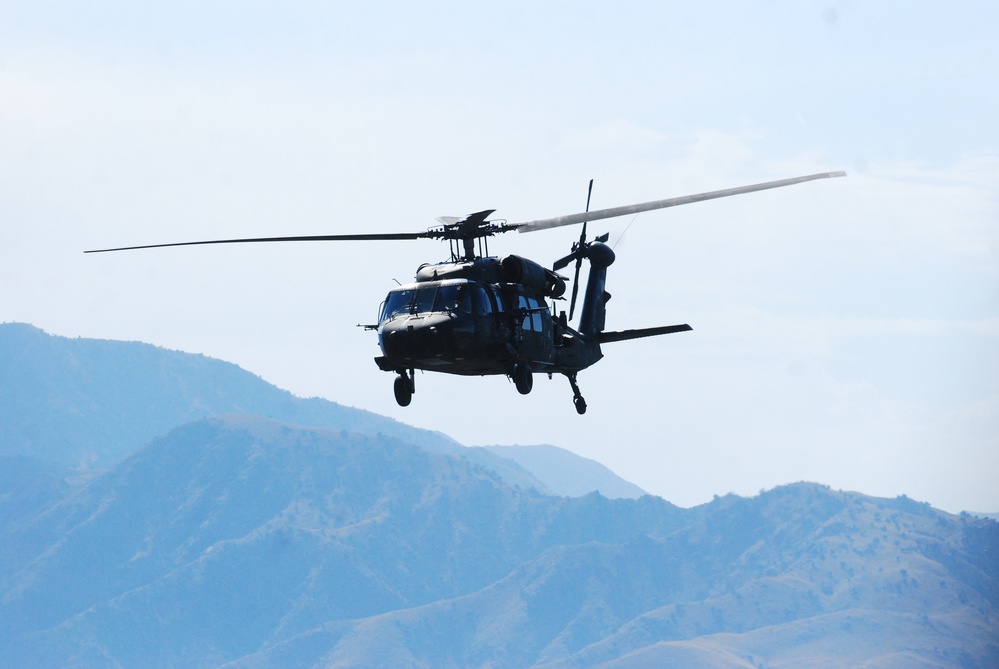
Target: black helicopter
<point x="478" y="315"/>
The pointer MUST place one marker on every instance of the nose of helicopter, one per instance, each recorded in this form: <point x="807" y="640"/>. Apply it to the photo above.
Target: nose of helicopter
<point x="422" y="337"/>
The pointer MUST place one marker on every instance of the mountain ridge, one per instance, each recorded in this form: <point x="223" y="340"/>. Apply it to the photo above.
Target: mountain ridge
<point x="88" y="403"/>
<point x="569" y="474"/>
<point x="105" y="398"/>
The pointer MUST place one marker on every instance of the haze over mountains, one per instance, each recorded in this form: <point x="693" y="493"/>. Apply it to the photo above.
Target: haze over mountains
<point x="164" y="509"/>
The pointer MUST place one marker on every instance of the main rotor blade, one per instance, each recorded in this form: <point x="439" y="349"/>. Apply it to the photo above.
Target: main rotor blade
<point x="301" y="238"/>
<point x="573" y="219"/>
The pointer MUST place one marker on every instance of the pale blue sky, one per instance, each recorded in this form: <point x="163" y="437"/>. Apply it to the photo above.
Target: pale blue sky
<point x="845" y="331"/>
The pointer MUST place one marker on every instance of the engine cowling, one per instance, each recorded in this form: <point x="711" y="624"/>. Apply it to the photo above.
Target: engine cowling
<point x="533" y="276"/>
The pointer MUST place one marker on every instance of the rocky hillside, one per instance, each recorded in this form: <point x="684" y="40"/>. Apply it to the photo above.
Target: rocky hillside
<point x="255" y="543"/>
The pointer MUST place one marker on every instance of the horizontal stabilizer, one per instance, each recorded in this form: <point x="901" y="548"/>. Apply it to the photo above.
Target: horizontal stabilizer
<point x="605" y="337"/>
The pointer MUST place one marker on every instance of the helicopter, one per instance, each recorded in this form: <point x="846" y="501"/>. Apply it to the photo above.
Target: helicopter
<point x="477" y="315"/>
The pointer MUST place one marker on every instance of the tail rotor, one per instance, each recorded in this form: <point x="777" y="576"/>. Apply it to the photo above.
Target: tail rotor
<point x="578" y="253"/>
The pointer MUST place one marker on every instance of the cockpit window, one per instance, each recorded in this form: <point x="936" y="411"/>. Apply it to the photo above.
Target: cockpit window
<point x="425" y="296"/>
<point x="449" y="297"/>
<point x="398" y="302"/>
<point x="453" y="297"/>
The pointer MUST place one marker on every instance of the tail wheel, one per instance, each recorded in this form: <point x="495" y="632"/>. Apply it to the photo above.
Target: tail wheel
<point x="577" y="397"/>
<point x="523" y="378"/>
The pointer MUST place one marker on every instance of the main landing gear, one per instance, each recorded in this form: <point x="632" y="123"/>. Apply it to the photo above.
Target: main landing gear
<point x="523" y="378"/>
<point x="405" y="386"/>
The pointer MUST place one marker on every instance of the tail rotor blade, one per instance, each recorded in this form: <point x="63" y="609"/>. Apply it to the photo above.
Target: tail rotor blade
<point x="563" y="261"/>
<point x="580" y="252"/>
<point x="575" y="289"/>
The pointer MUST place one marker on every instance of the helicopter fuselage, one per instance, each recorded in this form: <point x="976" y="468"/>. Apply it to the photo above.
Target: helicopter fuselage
<point x="479" y="317"/>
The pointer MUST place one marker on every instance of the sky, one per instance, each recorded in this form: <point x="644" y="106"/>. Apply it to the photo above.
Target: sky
<point x="845" y="331"/>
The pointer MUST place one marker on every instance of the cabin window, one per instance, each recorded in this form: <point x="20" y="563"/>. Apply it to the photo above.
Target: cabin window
<point x="535" y="308"/>
<point x="483" y="301"/>
<point x="496" y="300"/>
<point x="531" y="309"/>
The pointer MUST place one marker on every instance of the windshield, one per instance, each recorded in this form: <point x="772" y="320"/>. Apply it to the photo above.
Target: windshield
<point x="398" y="302"/>
<point x="431" y="297"/>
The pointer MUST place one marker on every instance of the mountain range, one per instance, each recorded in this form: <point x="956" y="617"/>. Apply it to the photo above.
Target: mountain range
<point x="162" y="509"/>
<point x="87" y="403"/>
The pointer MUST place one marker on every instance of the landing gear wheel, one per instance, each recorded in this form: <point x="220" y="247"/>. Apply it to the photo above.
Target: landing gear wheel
<point x="523" y="378"/>
<point x="577" y="397"/>
<point x="403" y="388"/>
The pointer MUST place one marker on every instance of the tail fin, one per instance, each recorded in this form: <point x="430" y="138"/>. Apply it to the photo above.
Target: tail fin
<point x="591" y="319"/>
